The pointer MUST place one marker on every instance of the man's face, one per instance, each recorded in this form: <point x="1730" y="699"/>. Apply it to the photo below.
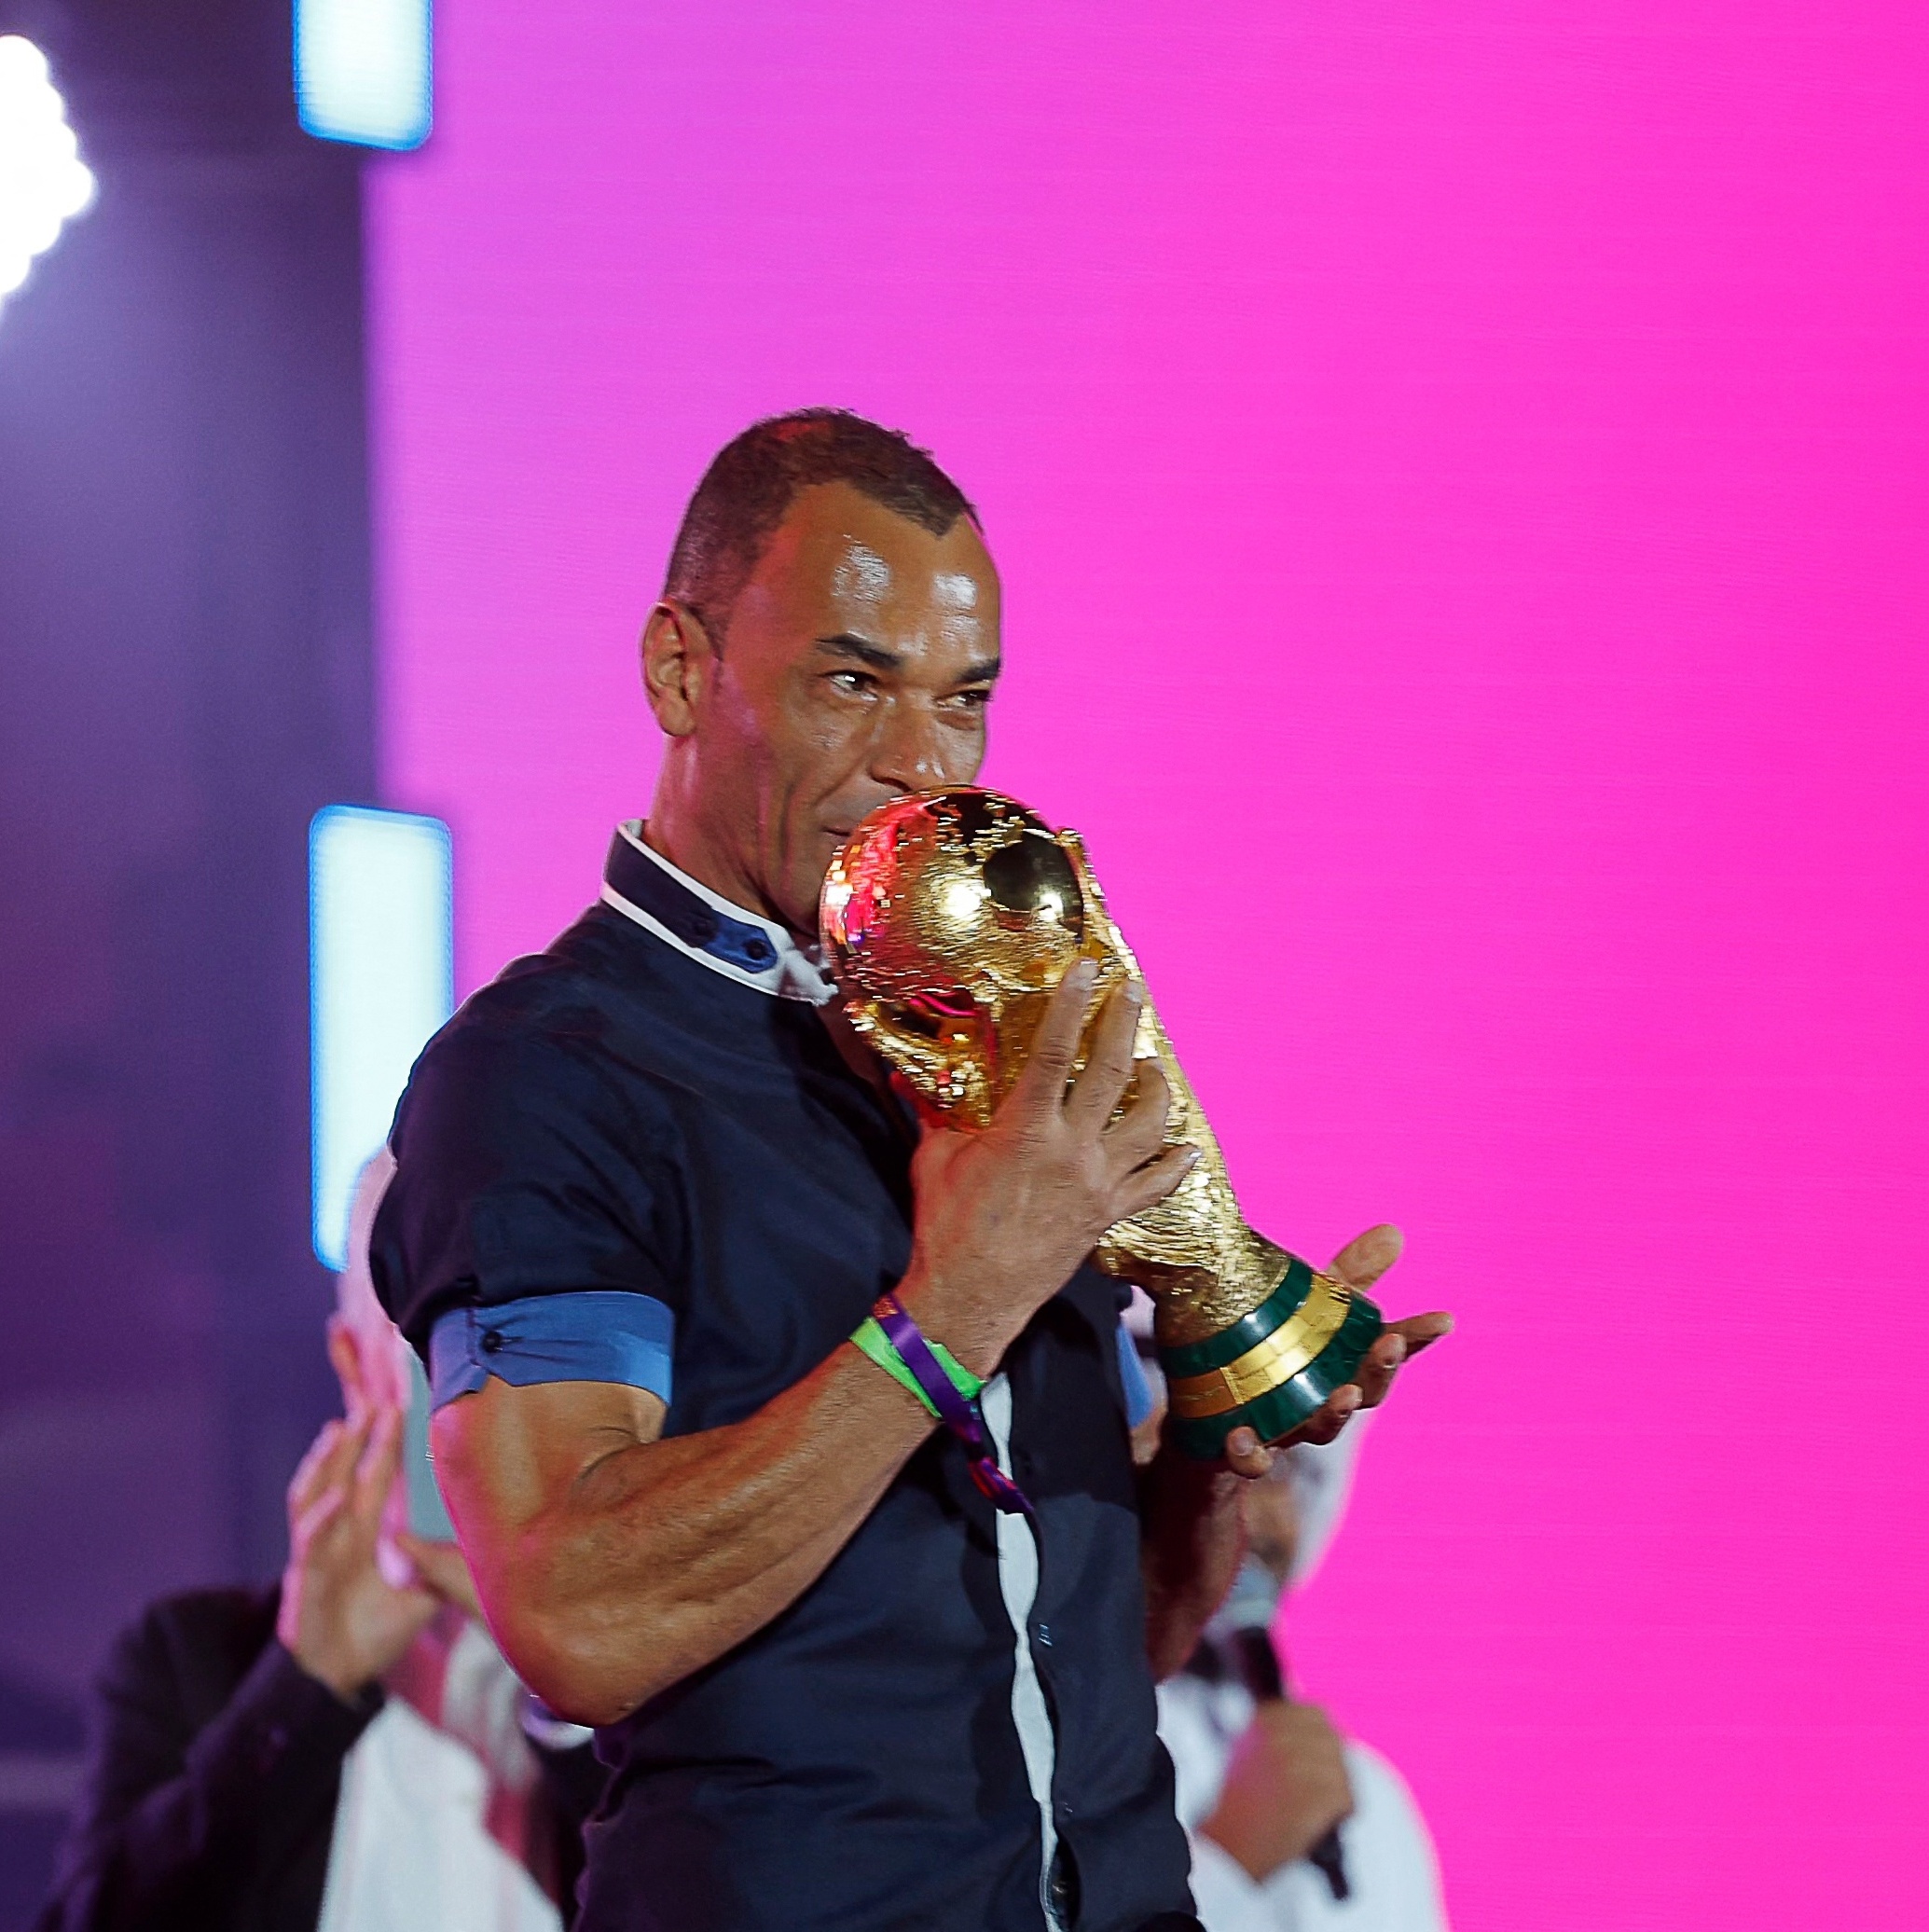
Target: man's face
<point x="858" y="666"/>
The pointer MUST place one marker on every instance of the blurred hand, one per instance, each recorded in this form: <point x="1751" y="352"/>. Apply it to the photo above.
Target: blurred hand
<point x="368" y="1379"/>
<point x="1286" y="1789"/>
<point x="444" y="1569"/>
<point x="340" y="1620"/>
<point x="1359" y="1264"/>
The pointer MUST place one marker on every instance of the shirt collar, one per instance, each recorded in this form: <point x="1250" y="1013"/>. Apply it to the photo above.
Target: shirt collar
<point x="644" y="885"/>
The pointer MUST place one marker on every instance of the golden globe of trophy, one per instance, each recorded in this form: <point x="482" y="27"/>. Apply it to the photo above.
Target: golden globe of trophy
<point x="948" y="919"/>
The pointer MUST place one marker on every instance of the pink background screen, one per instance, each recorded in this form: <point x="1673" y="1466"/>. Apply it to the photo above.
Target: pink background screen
<point x="1458" y="471"/>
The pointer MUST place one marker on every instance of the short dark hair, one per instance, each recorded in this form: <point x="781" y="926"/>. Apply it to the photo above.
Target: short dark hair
<point x="754" y="479"/>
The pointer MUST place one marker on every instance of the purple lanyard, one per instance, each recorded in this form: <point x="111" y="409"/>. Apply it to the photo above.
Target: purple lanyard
<point x="958" y="1411"/>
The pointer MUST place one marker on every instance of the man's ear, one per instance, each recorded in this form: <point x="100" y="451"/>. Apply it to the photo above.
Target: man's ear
<point x="678" y="661"/>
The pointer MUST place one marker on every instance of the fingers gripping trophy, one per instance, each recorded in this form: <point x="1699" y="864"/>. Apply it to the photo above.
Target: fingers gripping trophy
<point x="949" y="917"/>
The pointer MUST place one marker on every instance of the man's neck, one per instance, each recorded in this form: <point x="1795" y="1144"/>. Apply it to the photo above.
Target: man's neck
<point x="676" y="835"/>
<point x="679" y="837"/>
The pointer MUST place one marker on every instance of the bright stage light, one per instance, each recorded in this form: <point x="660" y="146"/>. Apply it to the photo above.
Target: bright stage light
<point x="381" y="979"/>
<point x="361" y="70"/>
<point x="43" y="181"/>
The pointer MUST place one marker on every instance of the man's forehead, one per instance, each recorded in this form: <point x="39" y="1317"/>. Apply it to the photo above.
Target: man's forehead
<point x="862" y="575"/>
<point x="837" y="545"/>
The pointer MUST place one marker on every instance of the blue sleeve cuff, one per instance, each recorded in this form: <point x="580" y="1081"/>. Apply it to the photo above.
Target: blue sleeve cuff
<point x="593" y="1336"/>
<point x="1139" y="1391"/>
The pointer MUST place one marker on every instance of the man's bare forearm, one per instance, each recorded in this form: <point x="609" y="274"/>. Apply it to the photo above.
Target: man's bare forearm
<point x="610" y="1580"/>
<point x="1191" y="1538"/>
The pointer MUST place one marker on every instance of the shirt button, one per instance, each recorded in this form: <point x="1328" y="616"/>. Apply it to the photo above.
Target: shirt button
<point x="492" y="1340"/>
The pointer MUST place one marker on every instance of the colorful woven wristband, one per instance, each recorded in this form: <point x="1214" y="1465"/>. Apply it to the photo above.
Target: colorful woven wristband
<point x="874" y="1343"/>
<point x="943" y="1384"/>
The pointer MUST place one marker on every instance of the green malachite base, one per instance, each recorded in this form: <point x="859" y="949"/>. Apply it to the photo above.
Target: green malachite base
<point x="1281" y="1408"/>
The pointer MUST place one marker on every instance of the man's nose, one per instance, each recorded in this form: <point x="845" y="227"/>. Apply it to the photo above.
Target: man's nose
<point x="909" y="752"/>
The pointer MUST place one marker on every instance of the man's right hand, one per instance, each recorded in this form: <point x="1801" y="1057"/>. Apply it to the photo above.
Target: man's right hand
<point x="1005" y="1217"/>
<point x="1286" y="1789"/>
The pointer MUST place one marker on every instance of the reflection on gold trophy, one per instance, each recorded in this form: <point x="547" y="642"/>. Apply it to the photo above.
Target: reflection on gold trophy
<point x="949" y="917"/>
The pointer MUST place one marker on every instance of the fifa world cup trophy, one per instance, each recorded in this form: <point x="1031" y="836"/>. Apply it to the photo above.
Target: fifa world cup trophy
<point x="948" y="919"/>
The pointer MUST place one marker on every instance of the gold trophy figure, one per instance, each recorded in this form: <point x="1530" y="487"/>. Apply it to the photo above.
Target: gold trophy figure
<point x="948" y="919"/>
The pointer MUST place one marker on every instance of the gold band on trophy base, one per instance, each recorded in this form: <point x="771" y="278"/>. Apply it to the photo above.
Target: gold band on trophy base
<point x="949" y="917"/>
<point x="1273" y="1383"/>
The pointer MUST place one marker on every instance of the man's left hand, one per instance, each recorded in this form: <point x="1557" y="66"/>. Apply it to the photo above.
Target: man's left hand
<point x="1359" y="1264"/>
<point x="1194" y="1532"/>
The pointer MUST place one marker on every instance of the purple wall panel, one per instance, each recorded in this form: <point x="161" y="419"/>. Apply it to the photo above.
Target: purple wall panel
<point x="1458" y="473"/>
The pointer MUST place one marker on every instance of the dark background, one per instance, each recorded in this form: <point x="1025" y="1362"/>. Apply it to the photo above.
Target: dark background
<point x="184" y="679"/>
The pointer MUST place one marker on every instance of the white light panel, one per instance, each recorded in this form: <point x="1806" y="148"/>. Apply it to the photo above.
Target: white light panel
<point x="361" y="70"/>
<point x="381" y="979"/>
<point x="44" y="183"/>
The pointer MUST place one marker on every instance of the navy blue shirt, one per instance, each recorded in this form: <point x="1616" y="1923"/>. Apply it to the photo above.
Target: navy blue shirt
<point x="626" y="1159"/>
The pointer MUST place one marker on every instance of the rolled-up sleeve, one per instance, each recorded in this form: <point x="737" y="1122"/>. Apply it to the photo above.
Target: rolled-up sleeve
<point x="587" y="1337"/>
<point x="534" y="1227"/>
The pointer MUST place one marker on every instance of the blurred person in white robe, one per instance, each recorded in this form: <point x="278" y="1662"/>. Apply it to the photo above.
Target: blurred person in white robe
<point x="1261" y="1783"/>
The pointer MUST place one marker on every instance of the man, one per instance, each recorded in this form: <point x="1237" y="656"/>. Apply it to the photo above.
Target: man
<point x="342" y="1751"/>
<point x="649" y="1183"/>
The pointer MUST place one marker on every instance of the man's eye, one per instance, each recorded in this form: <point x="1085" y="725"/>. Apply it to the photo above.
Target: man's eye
<point x="972" y="700"/>
<point x="856" y="682"/>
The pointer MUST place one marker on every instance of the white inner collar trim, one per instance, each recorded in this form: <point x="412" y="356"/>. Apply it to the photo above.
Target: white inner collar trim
<point x="794" y="972"/>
